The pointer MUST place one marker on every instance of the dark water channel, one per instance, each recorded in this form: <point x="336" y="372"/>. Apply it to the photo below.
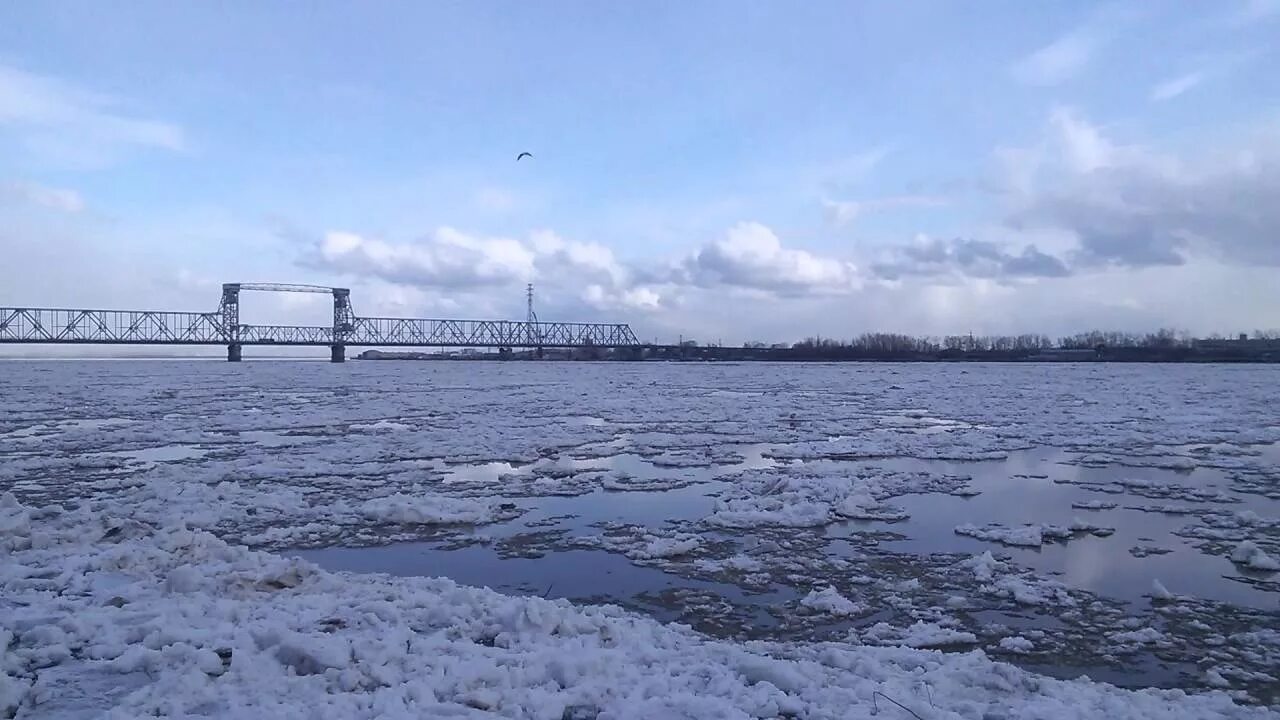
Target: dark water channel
<point x="1033" y="487"/>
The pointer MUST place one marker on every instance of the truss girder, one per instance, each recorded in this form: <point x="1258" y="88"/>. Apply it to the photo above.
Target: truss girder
<point x="56" y="325"/>
<point x="487" y="333"/>
<point x="154" y="327"/>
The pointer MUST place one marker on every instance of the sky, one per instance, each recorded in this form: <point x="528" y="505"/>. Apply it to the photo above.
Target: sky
<point x="723" y="171"/>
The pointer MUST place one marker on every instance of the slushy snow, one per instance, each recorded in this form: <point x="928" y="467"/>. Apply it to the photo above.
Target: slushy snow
<point x="1017" y="644"/>
<point x="178" y="622"/>
<point x="831" y="601"/>
<point x="1030" y="535"/>
<point x="921" y="634"/>
<point x="1253" y="557"/>
<point x="426" y="510"/>
<point x="292" y="456"/>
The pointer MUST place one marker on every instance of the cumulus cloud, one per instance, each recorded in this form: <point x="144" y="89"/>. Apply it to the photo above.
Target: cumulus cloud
<point x="584" y="275"/>
<point x="463" y="263"/>
<point x="751" y="256"/>
<point x="68" y="123"/>
<point x="1118" y="204"/>
<point x="635" y="298"/>
<point x="451" y="258"/>
<point x="1133" y="206"/>
<point x="447" y="258"/>
<point x="579" y="260"/>
<point x="969" y="257"/>
<point x="1082" y="146"/>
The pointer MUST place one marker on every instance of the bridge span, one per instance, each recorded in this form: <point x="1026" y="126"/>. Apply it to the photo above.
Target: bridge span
<point x="20" y="325"/>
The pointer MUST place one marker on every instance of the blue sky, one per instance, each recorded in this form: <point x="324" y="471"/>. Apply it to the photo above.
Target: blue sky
<point x="731" y="170"/>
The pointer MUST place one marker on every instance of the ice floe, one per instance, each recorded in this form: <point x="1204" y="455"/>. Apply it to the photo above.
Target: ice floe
<point x="181" y="623"/>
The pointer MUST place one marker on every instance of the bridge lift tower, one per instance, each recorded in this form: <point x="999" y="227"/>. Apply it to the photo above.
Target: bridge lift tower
<point x="229" y="312"/>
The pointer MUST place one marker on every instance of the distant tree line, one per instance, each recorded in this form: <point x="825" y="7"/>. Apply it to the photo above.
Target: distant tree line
<point x="1163" y="338"/>
<point x="874" y="345"/>
<point x="895" y="343"/>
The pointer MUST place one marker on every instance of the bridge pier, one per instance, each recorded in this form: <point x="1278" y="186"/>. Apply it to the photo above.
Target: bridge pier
<point x="233" y="352"/>
<point x="337" y="353"/>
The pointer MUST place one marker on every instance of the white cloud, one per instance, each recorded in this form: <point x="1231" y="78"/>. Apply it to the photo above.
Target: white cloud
<point x="63" y="121"/>
<point x="636" y="298"/>
<point x="446" y="258"/>
<point x="578" y="275"/>
<point x="1110" y="204"/>
<point x="1131" y="205"/>
<point x="1058" y="61"/>
<point x="1084" y="148"/>
<point x="1202" y="298"/>
<point x="60" y="199"/>
<point x="1173" y="87"/>
<point x="554" y="255"/>
<point x="751" y="256"/>
<point x="1072" y="146"/>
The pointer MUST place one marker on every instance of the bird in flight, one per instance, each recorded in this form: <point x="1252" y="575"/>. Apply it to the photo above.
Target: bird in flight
<point x="523" y="155"/>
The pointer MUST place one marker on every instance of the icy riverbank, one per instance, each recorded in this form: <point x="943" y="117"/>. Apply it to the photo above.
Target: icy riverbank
<point x="141" y="620"/>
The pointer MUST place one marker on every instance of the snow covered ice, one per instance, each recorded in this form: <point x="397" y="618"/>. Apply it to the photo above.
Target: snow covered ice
<point x="189" y="625"/>
<point x="829" y="600"/>
<point x="1251" y="556"/>
<point x="822" y="534"/>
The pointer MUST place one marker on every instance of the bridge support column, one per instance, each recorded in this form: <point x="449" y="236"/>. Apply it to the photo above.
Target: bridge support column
<point x="337" y="353"/>
<point x="233" y="352"/>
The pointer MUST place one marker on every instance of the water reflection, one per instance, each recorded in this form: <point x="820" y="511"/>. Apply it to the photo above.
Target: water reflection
<point x="577" y="575"/>
<point x="1036" y="487"/>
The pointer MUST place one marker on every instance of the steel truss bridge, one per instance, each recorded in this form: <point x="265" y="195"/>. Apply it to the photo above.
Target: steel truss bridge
<point x="223" y="327"/>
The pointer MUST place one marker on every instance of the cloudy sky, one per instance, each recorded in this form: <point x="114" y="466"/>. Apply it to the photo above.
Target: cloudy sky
<point x="721" y="170"/>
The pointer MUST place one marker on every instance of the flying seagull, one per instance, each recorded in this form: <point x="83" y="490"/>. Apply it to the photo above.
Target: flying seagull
<point x="523" y="155"/>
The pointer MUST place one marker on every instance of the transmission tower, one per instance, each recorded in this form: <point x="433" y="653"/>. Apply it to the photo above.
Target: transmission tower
<point x="533" y="335"/>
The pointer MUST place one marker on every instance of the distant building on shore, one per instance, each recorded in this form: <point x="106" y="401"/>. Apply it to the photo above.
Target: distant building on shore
<point x="1243" y="346"/>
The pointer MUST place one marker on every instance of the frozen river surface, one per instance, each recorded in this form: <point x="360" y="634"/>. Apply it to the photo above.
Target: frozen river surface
<point x="1111" y="521"/>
